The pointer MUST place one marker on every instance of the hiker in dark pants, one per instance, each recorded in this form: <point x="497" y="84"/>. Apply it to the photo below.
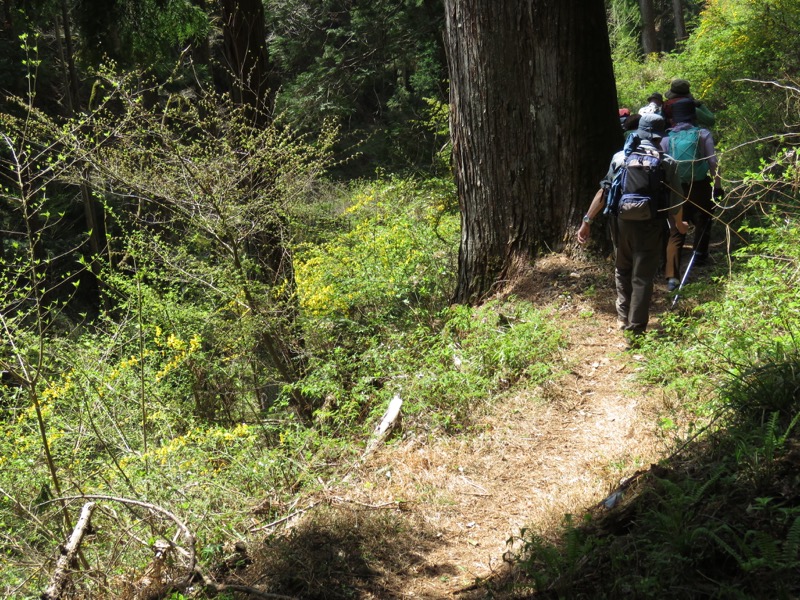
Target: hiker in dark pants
<point x="700" y="183"/>
<point x="639" y="242"/>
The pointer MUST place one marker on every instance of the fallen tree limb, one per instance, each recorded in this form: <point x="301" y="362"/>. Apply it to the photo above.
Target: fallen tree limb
<point x="190" y="554"/>
<point x="384" y="428"/>
<point x="68" y="554"/>
<point x="221" y="588"/>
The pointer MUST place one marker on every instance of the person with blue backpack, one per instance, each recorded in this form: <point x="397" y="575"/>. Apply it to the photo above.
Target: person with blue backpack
<point x="640" y="192"/>
<point x="693" y="149"/>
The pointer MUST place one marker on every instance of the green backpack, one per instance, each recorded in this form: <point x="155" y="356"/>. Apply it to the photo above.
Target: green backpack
<point x="705" y="118"/>
<point x="684" y="147"/>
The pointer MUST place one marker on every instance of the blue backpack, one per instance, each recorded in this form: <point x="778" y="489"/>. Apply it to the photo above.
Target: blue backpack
<point x="637" y="191"/>
<point x="684" y="146"/>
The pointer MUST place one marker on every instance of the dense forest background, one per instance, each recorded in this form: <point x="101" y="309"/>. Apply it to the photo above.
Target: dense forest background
<point x="230" y="237"/>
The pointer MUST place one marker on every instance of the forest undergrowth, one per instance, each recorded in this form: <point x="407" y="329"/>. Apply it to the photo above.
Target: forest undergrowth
<point x="163" y="410"/>
<point x="202" y="331"/>
<point x="446" y="516"/>
<point x="666" y="471"/>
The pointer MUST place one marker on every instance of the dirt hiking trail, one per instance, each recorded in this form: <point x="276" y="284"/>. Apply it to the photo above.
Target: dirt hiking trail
<point x="534" y="456"/>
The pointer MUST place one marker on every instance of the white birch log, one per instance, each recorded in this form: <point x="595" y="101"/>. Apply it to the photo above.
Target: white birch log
<point x="67" y="558"/>
<point x="388" y="422"/>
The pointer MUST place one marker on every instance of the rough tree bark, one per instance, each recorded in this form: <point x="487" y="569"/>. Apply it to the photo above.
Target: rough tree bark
<point x="649" y="38"/>
<point x="533" y="119"/>
<point x="245" y="36"/>
<point x="680" y="23"/>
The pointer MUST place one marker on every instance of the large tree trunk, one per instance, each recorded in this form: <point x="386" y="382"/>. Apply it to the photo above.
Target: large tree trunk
<point x="245" y="37"/>
<point x="533" y="118"/>
<point x="649" y="39"/>
<point x="253" y="86"/>
<point x="680" y="24"/>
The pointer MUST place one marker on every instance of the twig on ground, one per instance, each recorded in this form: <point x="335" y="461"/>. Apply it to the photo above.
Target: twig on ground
<point x="475" y="485"/>
<point x="288" y="517"/>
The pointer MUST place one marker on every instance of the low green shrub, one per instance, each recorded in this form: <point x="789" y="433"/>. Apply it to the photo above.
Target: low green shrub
<point x="394" y="259"/>
<point x="444" y="371"/>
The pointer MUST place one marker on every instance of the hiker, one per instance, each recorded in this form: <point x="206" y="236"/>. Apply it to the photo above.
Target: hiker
<point x="693" y="148"/>
<point x="638" y="231"/>
<point x="654" y="103"/>
<point x="630" y="125"/>
<point x="679" y="90"/>
<point x="624" y="113"/>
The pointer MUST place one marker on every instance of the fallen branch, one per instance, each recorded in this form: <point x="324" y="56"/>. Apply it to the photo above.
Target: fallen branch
<point x="221" y="588"/>
<point x="190" y="554"/>
<point x="385" y="505"/>
<point x="475" y="485"/>
<point x="68" y="553"/>
<point x="390" y="419"/>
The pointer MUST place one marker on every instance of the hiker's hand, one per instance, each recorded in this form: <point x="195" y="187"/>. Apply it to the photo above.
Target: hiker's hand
<point x="583" y="233"/>
<point x="718" y="194"/>
<point x="682" y="226"/>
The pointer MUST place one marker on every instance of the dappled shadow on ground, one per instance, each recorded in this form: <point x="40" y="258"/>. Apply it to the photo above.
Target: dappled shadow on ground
<point x="557" y="280"/>
<point x="720" y="518"/>
<point x="686" y="529"/>
<point x="342" y="552"/>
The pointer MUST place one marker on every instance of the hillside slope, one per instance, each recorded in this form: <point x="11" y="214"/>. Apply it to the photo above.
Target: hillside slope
<point x="431" y="516"/>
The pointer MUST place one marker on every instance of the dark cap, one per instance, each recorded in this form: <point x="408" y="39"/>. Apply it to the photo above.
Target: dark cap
<point x="655" y="96"/>
<point x="678" y="87"/>
<point x="651" y="126"/>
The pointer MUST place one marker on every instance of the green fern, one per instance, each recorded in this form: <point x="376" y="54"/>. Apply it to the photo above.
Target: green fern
<point x="765" y="550"/>
<point x="759" y="550"/>
<point x="791" y="546"/>
<point x="789" y="429"/>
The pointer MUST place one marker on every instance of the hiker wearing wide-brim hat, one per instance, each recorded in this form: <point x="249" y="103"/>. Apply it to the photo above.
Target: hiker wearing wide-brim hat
<point x="651" y="127"/>
<point x="679" y="89"/>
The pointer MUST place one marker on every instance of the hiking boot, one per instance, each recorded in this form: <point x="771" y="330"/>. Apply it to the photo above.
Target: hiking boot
<point x="633" y="339"/>
<point x="622" y="324"/>
<point x="672" y="284"/>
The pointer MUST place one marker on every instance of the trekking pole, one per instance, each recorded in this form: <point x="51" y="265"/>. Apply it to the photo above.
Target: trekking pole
<point x="689" y="266"/>
<point x="684" y="278"/>
<point x="612" y="231"/>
